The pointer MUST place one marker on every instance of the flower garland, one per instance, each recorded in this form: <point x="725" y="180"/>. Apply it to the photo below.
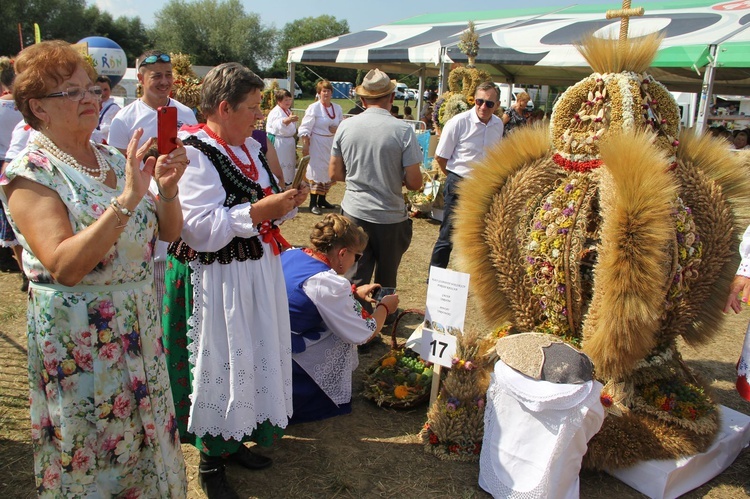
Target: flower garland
<point x="689" y="254"/>
<point x="545" y="260"/>
<point x="452" y="105"/>
<point x="679" y="399"/>
<point x="587" y="110"/>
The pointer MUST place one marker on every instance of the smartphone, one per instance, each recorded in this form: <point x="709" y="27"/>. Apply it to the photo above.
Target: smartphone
<point x="299" y="175"/>
<point x="166" y="124"/>
<point x="384" y="292"/>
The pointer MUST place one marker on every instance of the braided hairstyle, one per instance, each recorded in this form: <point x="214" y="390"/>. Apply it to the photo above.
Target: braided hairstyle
<point x="337" y="231"/>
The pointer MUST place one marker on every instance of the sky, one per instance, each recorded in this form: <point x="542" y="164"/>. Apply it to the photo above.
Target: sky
<point x="378" y="11"/>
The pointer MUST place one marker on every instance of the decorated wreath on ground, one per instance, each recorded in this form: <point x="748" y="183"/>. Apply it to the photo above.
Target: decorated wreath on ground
<point x="399" y="379"/>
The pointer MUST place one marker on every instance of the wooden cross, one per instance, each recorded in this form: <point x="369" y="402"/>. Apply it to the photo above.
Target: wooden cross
<point x="625" y="14"/>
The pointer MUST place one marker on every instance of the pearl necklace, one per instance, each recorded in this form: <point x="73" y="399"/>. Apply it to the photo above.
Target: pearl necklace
<point x="99" y="174"/>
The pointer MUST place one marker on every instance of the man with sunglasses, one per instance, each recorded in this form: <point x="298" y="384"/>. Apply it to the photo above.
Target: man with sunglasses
<point x="465" y="139"/>
<point x="156" y="79"/>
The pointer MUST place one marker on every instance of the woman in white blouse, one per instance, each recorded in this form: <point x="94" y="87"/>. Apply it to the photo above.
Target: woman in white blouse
<point x="226" y="320"/>
<point x="316" y="132"/>
<point x="327" y="318"/>
<point x="282" y="123"/>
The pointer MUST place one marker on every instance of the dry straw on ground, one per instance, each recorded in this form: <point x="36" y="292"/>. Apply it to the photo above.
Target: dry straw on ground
<point x="372" y="453"/>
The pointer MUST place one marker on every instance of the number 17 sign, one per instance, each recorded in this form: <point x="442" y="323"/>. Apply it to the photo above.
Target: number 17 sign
<point x="437" y="348"/>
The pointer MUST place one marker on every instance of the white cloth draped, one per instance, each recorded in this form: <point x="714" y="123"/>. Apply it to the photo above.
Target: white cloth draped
<point x="535" y="435"/>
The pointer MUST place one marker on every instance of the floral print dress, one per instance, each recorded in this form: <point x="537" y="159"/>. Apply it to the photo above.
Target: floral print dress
<point x="102" y="415"/>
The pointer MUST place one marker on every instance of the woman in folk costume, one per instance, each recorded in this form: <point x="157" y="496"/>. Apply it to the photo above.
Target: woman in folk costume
<point x="226" y="322"/>
<point x="739" y="293"/>
<point x="316" y="131"/>
<point x="282" y="123"/>
<point x="328" y="321"/>
<point x="619" y="236"/>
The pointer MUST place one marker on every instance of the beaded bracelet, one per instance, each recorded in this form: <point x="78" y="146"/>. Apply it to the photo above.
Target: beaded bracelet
<point x="116" y="205"/>
<point x="164" y="198"/>
<point x="119" y="225"/>
<point x="381" y="304"/>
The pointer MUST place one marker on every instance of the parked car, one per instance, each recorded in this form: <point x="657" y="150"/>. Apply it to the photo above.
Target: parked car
<point x="402" y="91"/>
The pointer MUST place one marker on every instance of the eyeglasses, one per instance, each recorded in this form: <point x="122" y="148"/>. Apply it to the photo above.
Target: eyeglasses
<point x="479" y="102"/>
<point x="154" y="58"/>
<point x="77" y="93"/>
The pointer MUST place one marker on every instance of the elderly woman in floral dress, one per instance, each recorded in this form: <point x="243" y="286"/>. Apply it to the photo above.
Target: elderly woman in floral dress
<point x="102" y="417"/>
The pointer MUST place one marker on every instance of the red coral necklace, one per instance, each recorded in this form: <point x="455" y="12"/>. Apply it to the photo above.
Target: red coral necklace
<point x="250" y="170"/>
<point x="332" y="116"/>
<point x="318" y="255"/>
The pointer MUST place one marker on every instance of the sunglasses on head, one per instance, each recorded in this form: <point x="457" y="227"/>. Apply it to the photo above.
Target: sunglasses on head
<point x="480" y="102"/>
<point x="155" y="58"/>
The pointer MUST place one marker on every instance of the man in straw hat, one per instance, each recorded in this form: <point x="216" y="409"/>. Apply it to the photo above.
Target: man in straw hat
<point x="376" y="154"/>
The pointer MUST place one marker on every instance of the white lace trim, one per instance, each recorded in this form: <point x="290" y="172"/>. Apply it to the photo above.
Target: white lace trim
<point x="540" y="396"/>
<point x="330" y="363"/>
<point x="238" y="381"/>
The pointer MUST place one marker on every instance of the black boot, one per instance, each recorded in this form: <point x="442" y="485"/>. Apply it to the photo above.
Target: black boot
<point x="248" y="459"/>
<point x="314" y="208"/>
<point x="323" y="203"/>
<point x="213" y="479"/>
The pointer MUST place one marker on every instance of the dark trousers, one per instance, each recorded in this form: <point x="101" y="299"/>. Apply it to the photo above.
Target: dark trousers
<point x="441" y="252"/>
<point x="386" y="245"/>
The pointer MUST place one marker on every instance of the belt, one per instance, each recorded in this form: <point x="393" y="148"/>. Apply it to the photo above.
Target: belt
<point x="320" y="134"/>
<point x="454" y="174"/>
<point x="284" y="136"/>
<point x="88" y="288"/>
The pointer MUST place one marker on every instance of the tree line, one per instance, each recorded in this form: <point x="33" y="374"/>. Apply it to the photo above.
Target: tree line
<point x="210" y="31"/>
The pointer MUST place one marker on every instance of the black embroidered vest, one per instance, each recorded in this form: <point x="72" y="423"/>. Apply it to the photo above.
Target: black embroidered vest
<point x="240" y="189"/>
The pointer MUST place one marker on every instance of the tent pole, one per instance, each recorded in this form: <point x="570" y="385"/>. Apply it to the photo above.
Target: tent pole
<point x="707" y="91"/>
<point x="420" y="97"/>
<point x="444" y="70"/>
<point x="290" y="76"/>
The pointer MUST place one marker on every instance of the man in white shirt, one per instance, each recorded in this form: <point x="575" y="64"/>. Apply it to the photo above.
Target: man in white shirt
<point x="465" y="139"/>
<point x="155" y="76"/>
<point x="109" y="107"/>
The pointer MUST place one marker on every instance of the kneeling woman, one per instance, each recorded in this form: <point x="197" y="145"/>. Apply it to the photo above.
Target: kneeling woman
<point x="328" y="322"/>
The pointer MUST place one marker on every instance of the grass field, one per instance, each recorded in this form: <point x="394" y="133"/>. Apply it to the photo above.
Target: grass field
<point x="374" y="452"/>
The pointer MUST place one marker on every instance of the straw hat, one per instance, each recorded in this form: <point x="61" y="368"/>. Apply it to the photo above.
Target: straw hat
<point x="376" y="84"/>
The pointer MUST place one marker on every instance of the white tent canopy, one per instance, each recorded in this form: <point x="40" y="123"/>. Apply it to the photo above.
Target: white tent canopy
<point x="536" y="46"/>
